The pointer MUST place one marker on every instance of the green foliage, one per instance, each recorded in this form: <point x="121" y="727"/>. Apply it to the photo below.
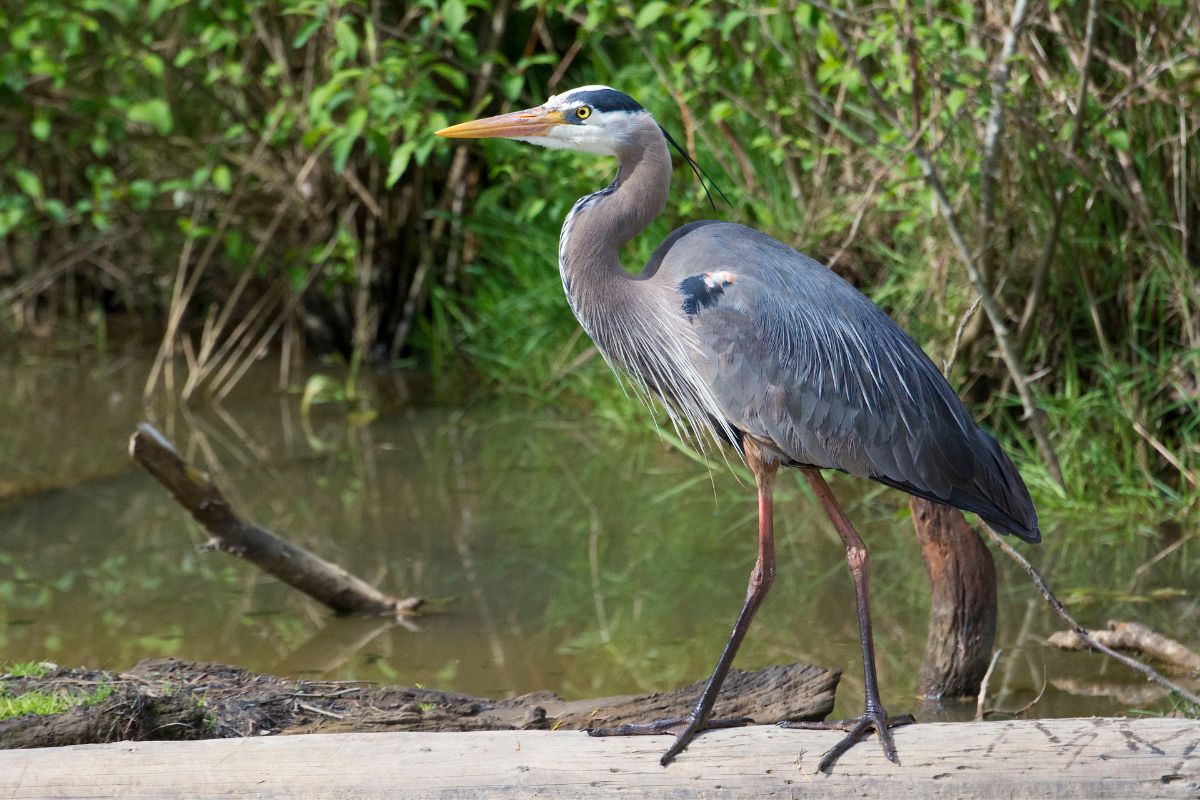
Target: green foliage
<point x="139" y="131"/>
<point x="26" y="669"/>
<point x="48" y="703"/>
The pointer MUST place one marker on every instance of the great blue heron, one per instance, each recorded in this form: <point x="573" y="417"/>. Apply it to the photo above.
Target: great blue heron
<point x="749" y="342"/>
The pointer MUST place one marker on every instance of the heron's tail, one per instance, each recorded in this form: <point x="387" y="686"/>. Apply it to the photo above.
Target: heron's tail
<point x="997" y="493"/>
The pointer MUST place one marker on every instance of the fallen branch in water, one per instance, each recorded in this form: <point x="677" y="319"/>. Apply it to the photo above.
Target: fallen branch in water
<point x="290" y="563"/>
<point x="1135" y="637"/>
<point x="1082" y="632"/>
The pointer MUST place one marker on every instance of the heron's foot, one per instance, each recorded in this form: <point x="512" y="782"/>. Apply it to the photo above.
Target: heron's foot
<point x="684" y="729"/>
<point x="873" y="718"/>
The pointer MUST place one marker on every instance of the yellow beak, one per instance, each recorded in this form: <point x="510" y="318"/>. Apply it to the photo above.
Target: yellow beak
<point x="519" y="124"/>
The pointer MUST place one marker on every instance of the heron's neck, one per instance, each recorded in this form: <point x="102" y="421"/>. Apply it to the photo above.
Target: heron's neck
<point x="637" y="323"/>
<point x="599" y="224"/>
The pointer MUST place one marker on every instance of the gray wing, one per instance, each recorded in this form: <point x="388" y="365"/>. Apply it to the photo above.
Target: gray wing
<point x="802" y="361"/>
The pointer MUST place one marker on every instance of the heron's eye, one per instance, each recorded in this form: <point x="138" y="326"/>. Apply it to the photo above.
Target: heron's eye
<point x="583" y="112"/>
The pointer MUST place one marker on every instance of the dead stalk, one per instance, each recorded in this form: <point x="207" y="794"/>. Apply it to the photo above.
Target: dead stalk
<point x="933" y="180"/>
<point x="1145" y="669"/>
<point x="1042" y="269"/>
<point x="981" y="698"/>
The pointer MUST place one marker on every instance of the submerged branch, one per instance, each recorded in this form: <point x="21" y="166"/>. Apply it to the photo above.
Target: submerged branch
<point x="292" y="564"/>
<point x="1134" y="637"/>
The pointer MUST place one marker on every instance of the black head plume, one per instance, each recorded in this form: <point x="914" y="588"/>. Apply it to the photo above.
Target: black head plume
<point x="700" y="173"/>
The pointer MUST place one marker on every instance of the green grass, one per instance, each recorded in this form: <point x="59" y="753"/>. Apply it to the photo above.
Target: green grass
<point x="44" y="704"/>
<point x="26" y="669"/>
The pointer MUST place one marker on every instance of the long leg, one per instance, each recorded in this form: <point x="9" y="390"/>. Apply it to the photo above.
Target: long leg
<point x="698" y="719"/>
<point x="874" y="715"/>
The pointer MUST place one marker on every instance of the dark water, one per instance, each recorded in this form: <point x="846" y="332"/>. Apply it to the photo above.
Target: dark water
<point x="564" y="556"/>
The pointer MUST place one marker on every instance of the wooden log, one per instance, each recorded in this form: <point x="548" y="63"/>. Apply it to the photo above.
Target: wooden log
<point x="962" y="615"/>
<point x="1063" y="758"/>
<point x="290" y="563"/>
<point x="1135" y="637"/>
<point x="774" y="694"/>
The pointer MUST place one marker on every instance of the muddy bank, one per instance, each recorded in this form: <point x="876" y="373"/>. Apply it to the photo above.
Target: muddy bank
<point x="168" y="699"/>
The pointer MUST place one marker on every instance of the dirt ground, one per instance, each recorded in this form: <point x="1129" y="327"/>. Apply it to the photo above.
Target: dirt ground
<point x="182" y="700"/>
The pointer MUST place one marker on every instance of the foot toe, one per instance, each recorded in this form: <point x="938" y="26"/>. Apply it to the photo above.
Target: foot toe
<point x="656" y="728"/>
<point x="856" y="729"/>
<point x="684" y="730"/>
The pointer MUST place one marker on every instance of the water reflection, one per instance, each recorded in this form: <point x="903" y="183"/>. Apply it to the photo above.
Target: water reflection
<point x="563" y="558"/>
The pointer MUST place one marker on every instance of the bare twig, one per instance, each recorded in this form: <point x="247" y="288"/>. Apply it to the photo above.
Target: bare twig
<point x="983" y="685"/>
<point x="1145" y="79"/>
<point x="995" y="316"/>
<point x="948" y="364"/>
<point x="564" y="64"/>
<point x="211" y="342"/>
<point x="1128" y="404"/>
<point x="1042" y="269"/>
<point x="41" y="280"/>
<point x="991" y="142"/>
<point x="454" y="176"/>
<point x="223" y="385"/>
<point x="320" y="711"/>
<point x="1037" y="699"/>
<point x="1166" y="551"/>
<point x="1056" y="605"/>
<point x="185" y="287"/>
<point x="1141" y="430"/>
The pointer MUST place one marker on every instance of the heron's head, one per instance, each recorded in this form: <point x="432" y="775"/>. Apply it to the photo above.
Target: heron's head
<point x="590" y="119"/>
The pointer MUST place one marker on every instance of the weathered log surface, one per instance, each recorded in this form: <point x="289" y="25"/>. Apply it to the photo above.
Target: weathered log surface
<point x="1064" y="758"/>
<point x="962" y="612"/>
<point x="185" y="700"/>
<point x="290" y="563"/>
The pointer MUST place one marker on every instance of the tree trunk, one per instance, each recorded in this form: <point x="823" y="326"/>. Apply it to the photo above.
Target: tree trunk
<point x="962" y="616"/>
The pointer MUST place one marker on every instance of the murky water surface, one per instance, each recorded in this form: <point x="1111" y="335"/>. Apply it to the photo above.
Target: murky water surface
<point x="562" y="556"/>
